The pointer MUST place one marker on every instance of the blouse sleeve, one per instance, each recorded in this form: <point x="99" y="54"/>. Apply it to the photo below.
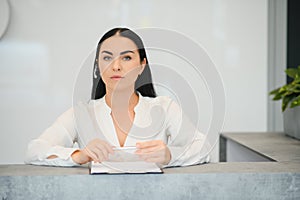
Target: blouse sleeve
<point x="188" y="146"/>
<point x="57" y="140"/>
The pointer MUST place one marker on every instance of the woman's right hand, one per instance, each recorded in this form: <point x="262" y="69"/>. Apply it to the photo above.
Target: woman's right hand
<point x="96" y="150"/>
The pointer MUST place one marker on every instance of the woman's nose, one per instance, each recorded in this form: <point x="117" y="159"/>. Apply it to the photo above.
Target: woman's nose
<point x="116" y="65"/>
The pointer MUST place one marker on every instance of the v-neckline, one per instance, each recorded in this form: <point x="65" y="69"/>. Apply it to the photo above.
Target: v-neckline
<point x="113" y="128"/>
<point x="116" y="138"/>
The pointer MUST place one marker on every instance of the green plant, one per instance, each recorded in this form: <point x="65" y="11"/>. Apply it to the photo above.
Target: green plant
<point x="289" y="93"/>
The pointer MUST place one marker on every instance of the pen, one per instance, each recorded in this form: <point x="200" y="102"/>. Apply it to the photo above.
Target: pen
<point x="125" y="148"/>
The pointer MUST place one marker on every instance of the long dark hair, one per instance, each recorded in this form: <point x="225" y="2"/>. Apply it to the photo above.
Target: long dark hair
<point x="143" y="84"/>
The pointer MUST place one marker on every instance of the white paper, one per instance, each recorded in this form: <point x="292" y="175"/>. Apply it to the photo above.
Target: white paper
<point x="124" y="160"/>
<point x="124" y="167"/>
<point x="124" y="154"/>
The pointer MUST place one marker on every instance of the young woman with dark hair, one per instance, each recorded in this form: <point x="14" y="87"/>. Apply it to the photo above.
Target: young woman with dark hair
<point x="125" y="106"/>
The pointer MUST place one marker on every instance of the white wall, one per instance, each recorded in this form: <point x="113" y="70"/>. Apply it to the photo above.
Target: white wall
<point x="47" y="41"/>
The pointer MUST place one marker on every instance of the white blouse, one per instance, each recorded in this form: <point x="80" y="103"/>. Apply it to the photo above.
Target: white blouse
<point x="158" y="118"/>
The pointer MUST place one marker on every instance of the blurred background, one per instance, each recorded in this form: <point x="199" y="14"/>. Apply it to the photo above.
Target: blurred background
<point x="44" y="44"/>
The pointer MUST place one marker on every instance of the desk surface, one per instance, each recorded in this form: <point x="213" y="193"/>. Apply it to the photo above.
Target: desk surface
<point x="223" y="167"/>
<point x="274" y="145"/>
<point x="269" y="180"/>
<point x="234" y="180"/>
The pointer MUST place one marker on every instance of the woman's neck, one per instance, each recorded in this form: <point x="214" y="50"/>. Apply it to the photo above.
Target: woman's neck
<point x="124" y="100"/>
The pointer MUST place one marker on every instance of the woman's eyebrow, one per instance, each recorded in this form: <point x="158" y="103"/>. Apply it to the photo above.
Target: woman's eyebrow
<point x="110" y="53"/>
<point x="124" y="52"/>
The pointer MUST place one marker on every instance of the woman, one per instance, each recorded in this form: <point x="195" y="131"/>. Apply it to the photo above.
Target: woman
<point x="127" y="112"/>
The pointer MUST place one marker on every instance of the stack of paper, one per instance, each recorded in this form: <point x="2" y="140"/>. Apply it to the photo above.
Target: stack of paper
<point x="124" y="161"/>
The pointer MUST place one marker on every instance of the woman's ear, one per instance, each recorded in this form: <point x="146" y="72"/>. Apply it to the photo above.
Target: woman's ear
<point x="143" y="65"/>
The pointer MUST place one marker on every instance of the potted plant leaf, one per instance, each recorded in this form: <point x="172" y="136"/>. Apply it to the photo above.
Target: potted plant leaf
<point x="290" y="96"/>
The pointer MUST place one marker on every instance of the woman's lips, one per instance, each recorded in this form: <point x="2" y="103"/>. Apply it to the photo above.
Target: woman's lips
<point x="116" y="77"/>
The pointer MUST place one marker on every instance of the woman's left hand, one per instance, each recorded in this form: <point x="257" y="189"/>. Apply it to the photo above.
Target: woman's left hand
<point x="154" y="151"/>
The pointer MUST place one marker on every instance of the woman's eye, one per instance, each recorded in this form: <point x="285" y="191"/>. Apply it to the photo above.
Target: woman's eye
<point x="106" y="58"/>
<point x="126" y="58"/>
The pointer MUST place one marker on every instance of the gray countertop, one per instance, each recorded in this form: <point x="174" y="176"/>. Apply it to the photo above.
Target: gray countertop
<point x="224" y="180"/>
<point x="275" y="145"/>
<point x="223" y="167"/>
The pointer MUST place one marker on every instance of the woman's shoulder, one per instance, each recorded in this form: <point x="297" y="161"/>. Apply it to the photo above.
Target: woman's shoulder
<point x="164" y="101"/>
<point x="95" y="102"/>
<point x="157" y="99"/>
<point x="76" y="109"/>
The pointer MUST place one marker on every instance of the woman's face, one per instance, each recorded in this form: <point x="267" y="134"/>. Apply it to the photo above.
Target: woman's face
<point x="119" y="63"/>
